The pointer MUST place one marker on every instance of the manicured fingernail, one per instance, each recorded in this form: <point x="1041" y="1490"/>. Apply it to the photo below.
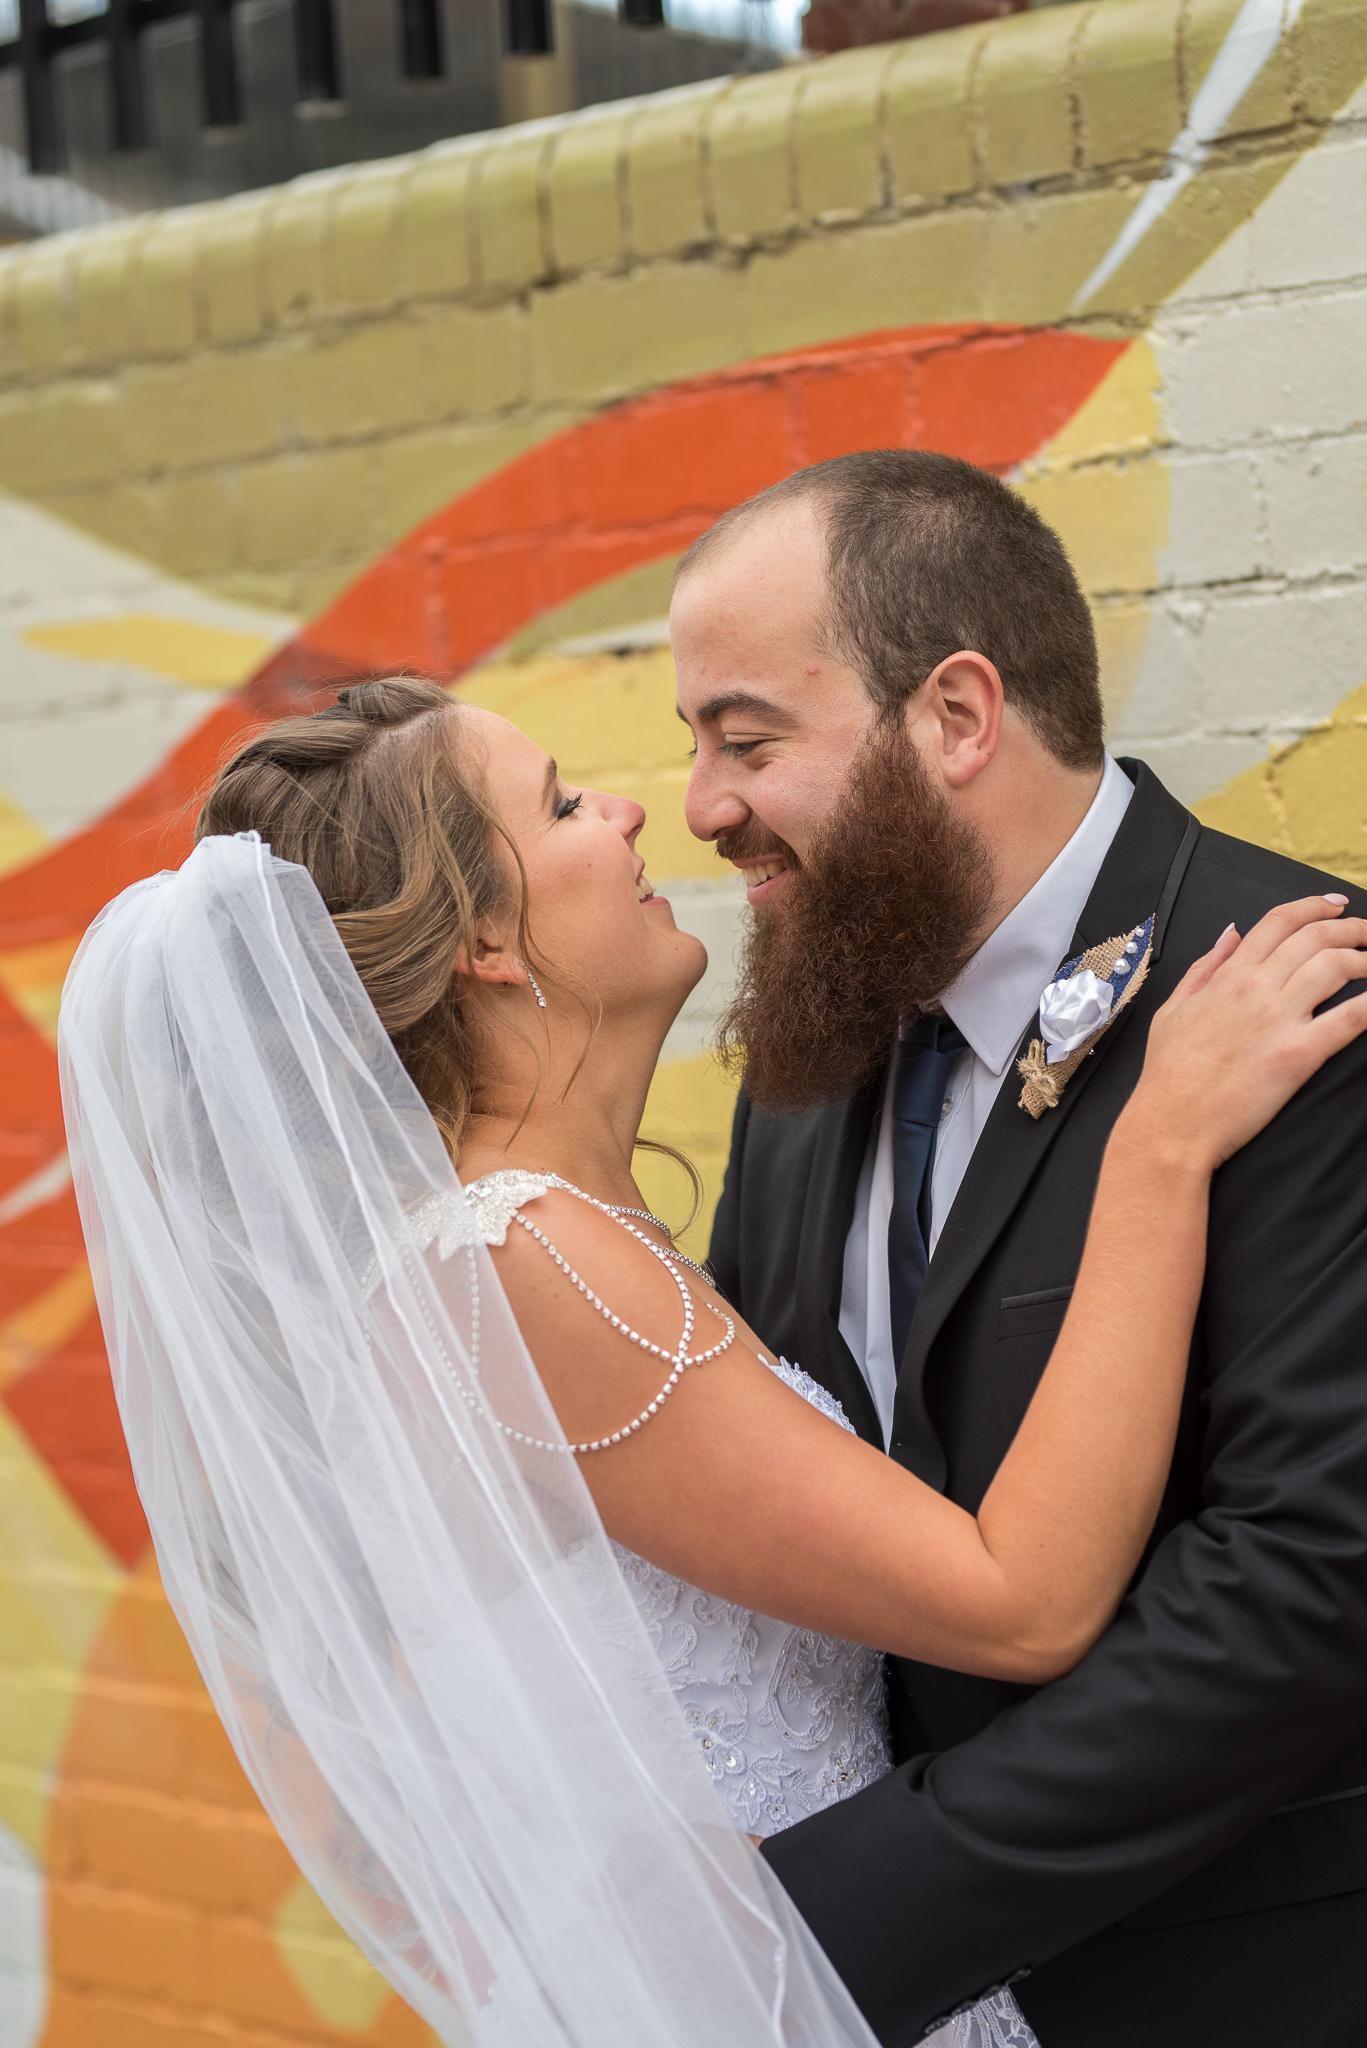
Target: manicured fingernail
<point x="1340" y="900"/>
<point x="1226" y="932"/>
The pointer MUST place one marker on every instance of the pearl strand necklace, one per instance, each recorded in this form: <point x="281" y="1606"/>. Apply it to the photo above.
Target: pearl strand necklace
<point x="679" y="1359"/>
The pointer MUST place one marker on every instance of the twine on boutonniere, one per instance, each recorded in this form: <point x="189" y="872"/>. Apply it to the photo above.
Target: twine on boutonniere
<point x="1078" y="1008"/>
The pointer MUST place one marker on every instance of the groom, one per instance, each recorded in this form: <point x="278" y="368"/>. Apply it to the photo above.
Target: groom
<point x="891" y="676"/>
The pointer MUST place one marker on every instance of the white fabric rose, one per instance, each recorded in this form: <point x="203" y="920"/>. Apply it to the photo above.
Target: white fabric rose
<point x="1070" y="1011"/>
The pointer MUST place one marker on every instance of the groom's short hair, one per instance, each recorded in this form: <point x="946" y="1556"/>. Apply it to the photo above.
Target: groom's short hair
<point x="927" y="555"/>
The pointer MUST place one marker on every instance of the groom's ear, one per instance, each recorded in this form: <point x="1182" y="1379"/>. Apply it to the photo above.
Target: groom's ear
<point x="957" y="716"/>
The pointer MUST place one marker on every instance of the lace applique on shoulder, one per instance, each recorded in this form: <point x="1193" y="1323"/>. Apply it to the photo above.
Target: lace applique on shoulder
<point x="812" y="1391"/>
<point x="480" y="1215"/>
<point x="495" y="1198"/>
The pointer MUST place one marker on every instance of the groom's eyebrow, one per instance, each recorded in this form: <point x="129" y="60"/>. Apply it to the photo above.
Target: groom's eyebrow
<point x="738" y="700"/>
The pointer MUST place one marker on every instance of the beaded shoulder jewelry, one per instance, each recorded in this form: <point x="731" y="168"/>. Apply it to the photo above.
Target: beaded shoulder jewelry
<point x="527" y="1188"/>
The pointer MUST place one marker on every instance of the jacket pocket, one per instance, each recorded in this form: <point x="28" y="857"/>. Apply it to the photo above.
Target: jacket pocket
<point x="1033" y="1315"/>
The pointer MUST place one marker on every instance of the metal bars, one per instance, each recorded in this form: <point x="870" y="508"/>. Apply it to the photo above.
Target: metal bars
<point x="40" y="102"/>
<point x="121" y="27"/>
<point x="218" y="65"/>
<point x="420" y="38"/>
<point x="127" y="91"/>
<point x="529" y="31"/>
<point x="315" y="53"/>
<point x="528" y="28"/>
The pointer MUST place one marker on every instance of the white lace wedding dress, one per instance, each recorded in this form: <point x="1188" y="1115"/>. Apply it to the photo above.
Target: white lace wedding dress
<point x="784" y="1720"/>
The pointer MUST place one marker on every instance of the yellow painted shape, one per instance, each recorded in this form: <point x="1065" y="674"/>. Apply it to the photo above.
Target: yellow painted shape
<point x="610" y="722"/>
<point x="57" y="1584"/>
<point x="341" y="1986"/>
<point x="45" y="1322"/>
<point x="199" y="657"/>
<point x="32" y="978"/>
<point x="1123" y="416"/>
<point x="625" y="600"/>
<point x="20" y="838"/>
<point x="690" y="1106"/>
<point x="1103" y="485"/>
<point x="1113" y="519"/>
<point x="1309" y="799"/>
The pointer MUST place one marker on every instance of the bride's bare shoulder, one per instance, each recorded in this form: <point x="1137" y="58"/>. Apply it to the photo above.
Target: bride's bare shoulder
<point x="602" y="1314"/>
<point x="549" y="1243"/>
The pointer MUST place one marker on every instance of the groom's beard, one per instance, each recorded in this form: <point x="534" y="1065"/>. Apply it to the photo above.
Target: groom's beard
<point x="874" y="925"/>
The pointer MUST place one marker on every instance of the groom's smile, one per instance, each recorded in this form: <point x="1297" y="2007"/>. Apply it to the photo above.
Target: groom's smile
<point x="762" y="881"/>
<point x="766" y="866"/>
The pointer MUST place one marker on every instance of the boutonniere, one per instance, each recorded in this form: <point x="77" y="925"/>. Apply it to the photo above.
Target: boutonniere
<point x="1077" y="1008"/>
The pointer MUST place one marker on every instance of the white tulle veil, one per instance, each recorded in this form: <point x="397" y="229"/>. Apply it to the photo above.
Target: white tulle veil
<point x="403" y="1617"/>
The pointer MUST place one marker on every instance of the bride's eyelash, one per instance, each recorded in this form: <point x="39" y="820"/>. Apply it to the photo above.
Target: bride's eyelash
<point x="567" y="806"/>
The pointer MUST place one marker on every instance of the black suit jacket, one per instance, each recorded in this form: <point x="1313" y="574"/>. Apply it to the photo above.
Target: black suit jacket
<point x="1202" y="1761"/>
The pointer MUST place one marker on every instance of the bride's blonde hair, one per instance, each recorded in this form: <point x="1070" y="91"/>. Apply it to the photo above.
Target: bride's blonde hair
<point x="372" y="797"/>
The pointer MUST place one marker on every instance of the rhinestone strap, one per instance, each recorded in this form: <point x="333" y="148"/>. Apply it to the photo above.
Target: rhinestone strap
<point x="679" y="1359"/>
<point x="617" y="1212"/>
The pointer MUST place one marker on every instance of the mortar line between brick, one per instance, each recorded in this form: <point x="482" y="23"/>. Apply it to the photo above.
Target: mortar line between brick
<point x="626" y="212"/>
<point x="975" y="114"/>
<point x="791" y="125"/>
<point x="1072" y="89"/>
<point x="887" y="198"/>
<point x="398" y="224"/>
<point x="1181" y="43"/>
<point x="541" y="187"/>
<point x="707" y="185"/>
<point x="470" y="201"/>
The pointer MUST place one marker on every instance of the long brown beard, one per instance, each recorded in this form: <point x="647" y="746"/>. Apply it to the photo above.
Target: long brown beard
<point x="872" y="927"/>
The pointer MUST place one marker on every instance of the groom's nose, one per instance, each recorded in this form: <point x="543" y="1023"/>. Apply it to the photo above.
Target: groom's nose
<point x="711" y="805"/>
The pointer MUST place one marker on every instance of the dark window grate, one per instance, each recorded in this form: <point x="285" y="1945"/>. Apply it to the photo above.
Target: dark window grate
<point x="529" y="31"/>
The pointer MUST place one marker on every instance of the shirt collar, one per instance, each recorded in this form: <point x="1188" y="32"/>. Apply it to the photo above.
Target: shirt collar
<point x="998" y="992"/>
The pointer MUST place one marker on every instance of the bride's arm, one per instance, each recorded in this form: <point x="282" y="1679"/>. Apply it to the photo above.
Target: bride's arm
<point x="739" y="1486"/>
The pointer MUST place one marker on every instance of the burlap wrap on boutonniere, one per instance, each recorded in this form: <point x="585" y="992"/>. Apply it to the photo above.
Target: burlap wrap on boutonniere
<point x="1078" y="1008"/>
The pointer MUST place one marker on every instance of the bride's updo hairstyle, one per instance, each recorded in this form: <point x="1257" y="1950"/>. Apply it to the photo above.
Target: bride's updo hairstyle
<point x="372" y="797"/>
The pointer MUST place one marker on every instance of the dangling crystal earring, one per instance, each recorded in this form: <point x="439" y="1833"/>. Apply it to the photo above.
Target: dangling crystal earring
<point x="531" y="980"/>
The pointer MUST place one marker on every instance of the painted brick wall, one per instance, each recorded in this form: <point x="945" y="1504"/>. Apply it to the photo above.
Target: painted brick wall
<point x="462" y="411"/>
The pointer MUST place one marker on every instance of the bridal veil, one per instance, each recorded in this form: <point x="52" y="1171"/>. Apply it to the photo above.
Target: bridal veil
<point x="410" y="1625"/>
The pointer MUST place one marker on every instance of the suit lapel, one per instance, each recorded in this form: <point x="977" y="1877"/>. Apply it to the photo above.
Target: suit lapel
<point x="1142" y="870"/>
<point x="837" y="1157"/>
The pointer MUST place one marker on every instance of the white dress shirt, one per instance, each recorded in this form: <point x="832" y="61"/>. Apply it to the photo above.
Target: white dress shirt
<point x="992" y="1002"/>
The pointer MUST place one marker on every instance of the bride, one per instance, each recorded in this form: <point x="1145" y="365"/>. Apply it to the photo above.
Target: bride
<point x="527" y="1580"/>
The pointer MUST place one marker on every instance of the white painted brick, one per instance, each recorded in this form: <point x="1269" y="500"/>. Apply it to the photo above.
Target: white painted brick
<point x="1278" y="661"/>
<point x="1279" y="368"/>
<point x="1312" y="228"/>
<point x="54" y="764"/>
<point x="1192" y="768"/>
<point x="1164" y="698"/>
<point x="1223" y="275"/>
<point x="1316" y="497"/>
<point x="23" y="1943"/>
<point x="1214" y="520"/>
<point x="714" y="912"/>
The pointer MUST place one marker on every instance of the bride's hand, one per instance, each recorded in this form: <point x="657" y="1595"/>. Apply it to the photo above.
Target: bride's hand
<point x="1239" y="1035"/>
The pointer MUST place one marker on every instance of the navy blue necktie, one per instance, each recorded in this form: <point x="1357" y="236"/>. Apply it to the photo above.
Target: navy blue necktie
<point x="925" y="1060"/>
